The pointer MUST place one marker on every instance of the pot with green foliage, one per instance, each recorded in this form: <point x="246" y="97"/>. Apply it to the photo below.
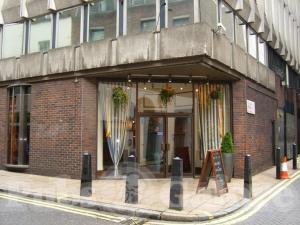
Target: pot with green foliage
<point x="227" y="154"/>
<point x="119" y="97"/>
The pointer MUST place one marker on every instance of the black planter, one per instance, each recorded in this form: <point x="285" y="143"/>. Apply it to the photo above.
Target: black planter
<point x="228" y="165"/>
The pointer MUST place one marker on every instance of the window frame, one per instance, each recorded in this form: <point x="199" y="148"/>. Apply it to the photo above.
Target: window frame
<point x="51" y="15"/>
<point x="81" y="8"/>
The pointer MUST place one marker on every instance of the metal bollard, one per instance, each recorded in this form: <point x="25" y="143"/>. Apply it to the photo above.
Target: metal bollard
<point x="176" y="188"/>
<point x="294" y="157"/>
<point x="131" y="195"/>
<point x="86" y="175"/>
<point x="248" y="177"/>
<point x="278" y="163"/>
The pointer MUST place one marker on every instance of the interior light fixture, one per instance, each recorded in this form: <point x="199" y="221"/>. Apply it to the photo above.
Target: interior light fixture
<point x="145" y="88"/>
<point x="149" y="79"/>
<point x="170" y="79"/>
<point x="190" y="80"/>
<point x="129" y="78"/>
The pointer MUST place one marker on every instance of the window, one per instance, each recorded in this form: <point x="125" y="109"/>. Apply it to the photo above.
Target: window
<point x="40" y="34"/>
<point x="208" y="12"/>
<point x="96" y="34"/>
<point x="262" y="51"/>
<point x="147" y="25"/>
<point x="102" y="20"/>
<point x="252" y="43"/>
<point x="180" y="12"/>
<point x="19" y="125"/>
<point x="181" y="21"/>
<point x="240" y="33"/>
<point x="227" y="21"/>
<point x="141" y="16"/>
<point x="69" y="22"/>
<point x="12" y="44"/>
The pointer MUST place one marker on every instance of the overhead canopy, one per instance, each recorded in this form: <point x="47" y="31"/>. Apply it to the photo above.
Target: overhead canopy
<point x="11" y="11"/>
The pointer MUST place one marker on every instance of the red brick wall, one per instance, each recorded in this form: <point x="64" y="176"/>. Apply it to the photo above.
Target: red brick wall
<point x="62" y="126"/>
<point x="3" y="126"/>
<point x="253" y="133"/>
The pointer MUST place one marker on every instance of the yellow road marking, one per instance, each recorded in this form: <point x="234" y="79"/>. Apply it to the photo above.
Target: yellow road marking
<point x="57" y="206"/>
<point x="247" y="211"/>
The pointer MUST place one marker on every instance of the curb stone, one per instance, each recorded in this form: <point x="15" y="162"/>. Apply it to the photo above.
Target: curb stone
<point x="129" y="211"/>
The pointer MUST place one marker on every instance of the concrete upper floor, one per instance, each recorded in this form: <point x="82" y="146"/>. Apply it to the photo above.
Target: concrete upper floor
<point x="41" y="37"/>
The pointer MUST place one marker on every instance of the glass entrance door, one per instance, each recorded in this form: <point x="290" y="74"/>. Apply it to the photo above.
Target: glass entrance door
<point x="161" y="139"/>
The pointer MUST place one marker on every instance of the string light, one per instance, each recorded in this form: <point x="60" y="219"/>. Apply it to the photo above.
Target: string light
<point x="129" y="78"/>
<point x="170" y="79"/>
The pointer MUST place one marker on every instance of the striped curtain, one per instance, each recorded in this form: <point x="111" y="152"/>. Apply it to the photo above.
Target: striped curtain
<point x="115" y="122"/>
<point x="213" y="116"/>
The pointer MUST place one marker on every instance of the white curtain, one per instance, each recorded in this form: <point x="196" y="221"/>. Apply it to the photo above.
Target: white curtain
<point x="214" y="116"/>
<point x="115" y="121"/>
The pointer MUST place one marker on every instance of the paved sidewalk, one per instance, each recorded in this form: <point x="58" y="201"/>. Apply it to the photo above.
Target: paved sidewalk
<point x="109" y="195"/>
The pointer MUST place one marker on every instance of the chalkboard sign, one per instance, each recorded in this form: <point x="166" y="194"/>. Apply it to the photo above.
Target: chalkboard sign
<point x="213" y="165"/>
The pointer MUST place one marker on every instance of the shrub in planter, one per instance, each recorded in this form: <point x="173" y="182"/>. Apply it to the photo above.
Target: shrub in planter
<point x="216" y="95"/>
<point x="227" y="149"/>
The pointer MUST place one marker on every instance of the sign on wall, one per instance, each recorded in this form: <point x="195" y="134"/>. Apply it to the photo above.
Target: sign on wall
<point x="250" y="107"/>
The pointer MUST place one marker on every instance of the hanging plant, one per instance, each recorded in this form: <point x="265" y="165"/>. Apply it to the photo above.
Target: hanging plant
<point x="120" y="97"/>
<point x="166" y="95"/>
<point x="216" y="95"/>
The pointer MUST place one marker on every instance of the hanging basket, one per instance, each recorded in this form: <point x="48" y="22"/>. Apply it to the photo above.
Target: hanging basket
<point x="166" y="95"/>
<point x="216" y="95"/>
<point x="120" y="97"/>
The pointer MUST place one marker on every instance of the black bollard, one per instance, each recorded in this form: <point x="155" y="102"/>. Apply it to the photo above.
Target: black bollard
<point x="278" y="163"/>
<point x="176" y="189"/>
<point x="248" y="177"/>
<point x="294" y="157"/>
<point x="86" y="176"/>
<point x="132" y="182"/>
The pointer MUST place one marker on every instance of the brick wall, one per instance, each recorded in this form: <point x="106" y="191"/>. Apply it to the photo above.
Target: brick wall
<point x="3" y="126"/>
<point x="253" y="133"/>
<point x="62" y="126"/>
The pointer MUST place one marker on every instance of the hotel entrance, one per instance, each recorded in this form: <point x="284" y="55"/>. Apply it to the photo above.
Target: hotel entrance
<point x="163" y="137"/>
<point x="159" y="121"/>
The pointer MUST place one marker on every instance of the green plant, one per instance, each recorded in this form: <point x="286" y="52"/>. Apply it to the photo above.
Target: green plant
<point x="166" y="95"/>
<point x="216" y="94"/>
<point x="227" y="143"/>
<point x="120" y="97"/>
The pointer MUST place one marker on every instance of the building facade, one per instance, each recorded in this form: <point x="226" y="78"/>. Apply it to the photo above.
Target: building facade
<point x="150" y="78"/>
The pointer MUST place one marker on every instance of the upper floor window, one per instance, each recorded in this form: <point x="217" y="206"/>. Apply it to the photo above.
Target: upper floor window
<point x="12" y="43"/>
<point x="262" y="51"/>
<point x="141" y="16"/>
<point x="69" y="27"/>
<point x="208" y="12"/>
<point x="240" y="33"/>
<point x="40" y="34"/>
<point x="227" y="21"/>
<point x="252" y="43"/>
<point x="102" y="20"/>
<point x="180" y="12"/>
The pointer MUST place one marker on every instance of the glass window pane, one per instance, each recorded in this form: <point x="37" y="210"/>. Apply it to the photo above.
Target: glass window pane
<point x="102" y="21"/>
<point x="227" y="21"/>
<point x="262" y="51"/>
<point x="180" y="12"/>
<point x="40" y="34"/>
<point x="69" y="27"/>
<point x="149" y="99"/>
<point x="240" y="34"/>
<point x="252" y="43"/>
<point x="12" y="44"/>
<point x="208" y="12"/>
<point x="141" y="16"/>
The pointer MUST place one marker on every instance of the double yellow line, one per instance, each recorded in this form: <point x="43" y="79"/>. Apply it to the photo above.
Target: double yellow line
<point x="249" y="210"/>
<point x="65" y="208"/>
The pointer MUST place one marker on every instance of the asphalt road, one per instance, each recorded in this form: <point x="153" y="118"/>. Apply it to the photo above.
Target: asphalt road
<point x="18" y="213"/>
<point x="283" y="209"/>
